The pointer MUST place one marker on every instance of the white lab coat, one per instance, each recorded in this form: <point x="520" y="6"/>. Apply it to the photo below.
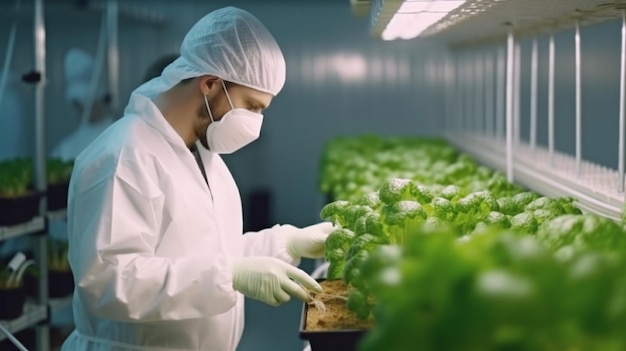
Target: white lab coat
<point x="151" y="248"/>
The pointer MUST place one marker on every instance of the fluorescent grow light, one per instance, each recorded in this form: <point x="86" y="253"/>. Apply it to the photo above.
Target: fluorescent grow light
<point x="414" y="17"/>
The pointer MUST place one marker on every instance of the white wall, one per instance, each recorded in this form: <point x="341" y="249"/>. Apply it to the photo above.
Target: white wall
<point x="339" y="81"/>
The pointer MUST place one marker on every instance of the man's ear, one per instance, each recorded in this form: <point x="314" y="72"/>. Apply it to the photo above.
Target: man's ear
<point x="209" y="83"/>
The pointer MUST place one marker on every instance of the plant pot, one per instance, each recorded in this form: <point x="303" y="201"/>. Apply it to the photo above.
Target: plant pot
<point x="60" y="283"/>
<point x="20" y="209"/>
<point x="57" y="196"/>
<point x="329" y="340"/>
<point x="12" y="303"/>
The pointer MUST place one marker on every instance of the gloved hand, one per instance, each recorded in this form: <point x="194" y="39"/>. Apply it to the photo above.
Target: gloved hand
<point x="267" y="279"/>
<point x="309" y="241"/>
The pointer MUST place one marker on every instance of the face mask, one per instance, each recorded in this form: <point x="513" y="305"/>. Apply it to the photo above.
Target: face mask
<point x="236" y="129"/>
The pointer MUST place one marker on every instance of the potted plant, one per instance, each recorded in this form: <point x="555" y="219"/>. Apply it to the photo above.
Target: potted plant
<point x="12" y="291"/>
<point x="328" y="323"/>
<point x="19" y="203"/>
<point x="60" y="279"/>
<point x="58" y="174"/>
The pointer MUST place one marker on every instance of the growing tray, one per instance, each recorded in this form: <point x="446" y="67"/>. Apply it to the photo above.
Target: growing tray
<point x="329" y="340"/>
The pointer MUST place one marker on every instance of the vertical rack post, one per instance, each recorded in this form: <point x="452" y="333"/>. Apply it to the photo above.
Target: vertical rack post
<point x="479" y="114"/>
<point x="622" y="106"/>
<point x="450" y="105"/>
<point x="446" y="93"/>
<point x="467" y="87"/>
<point x="489" y="92"/>
<point x="41" y="247"/>
<point x="113" y="52"/>
<point x="578" y="101"/>
<point x="510" y="96"/>
<point x="459" y="94"/>
<point x="551" y="100"/>
<point x="517" y="84"/>
<point x="533" y="95"/>
<point x="500" y="98"/>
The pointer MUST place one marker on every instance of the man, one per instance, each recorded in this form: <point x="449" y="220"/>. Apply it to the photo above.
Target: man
<point x="155" y="221"/>
<point x="78" y="68"/>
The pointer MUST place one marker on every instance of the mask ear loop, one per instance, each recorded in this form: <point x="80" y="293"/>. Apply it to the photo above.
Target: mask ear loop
<point x="206" y="102"/>
<point x="232" y="107"/>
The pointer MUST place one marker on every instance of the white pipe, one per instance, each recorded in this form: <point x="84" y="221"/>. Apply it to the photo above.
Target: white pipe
<point x="450" y="98"/>
<point x="480" y="95"/>
<point x="551" y="99"/>
<point x="489" y="93"/>
<point x="500" y="98"/>
<point x="517" y="84"/>
<point x="113" y="52"/>
<point x="8" y="56"/>
<point x="12" y="339"/>
<point x="469" y="99"/>
<point x="22" y="269"/>
<point x="459" y="94"/>
<point x="622" y="107"/>
<point x="578" y="101"/>
<point x="40" y="126"/>
<point x="534" y="75"/>
<point x="510" y="96"/>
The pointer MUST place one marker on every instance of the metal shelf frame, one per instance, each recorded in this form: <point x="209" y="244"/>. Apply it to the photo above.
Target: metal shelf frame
<point x="597" y="189"/>
<point x="482" y="21"/>
<point x="478" y="22"/>
<point x="35" y="225"/>
<point x="33" y="315"/>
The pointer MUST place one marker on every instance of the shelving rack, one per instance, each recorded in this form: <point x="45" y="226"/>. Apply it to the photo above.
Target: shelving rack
<point x="35" y="313"/>
<point x="494" y="138"/>
<point x="35" y="225"/>
<point x="474" y="79"/>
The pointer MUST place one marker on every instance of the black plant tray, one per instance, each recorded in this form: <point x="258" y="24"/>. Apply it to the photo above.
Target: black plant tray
<point x="20" y="209"/>
<point x="329" y="340"/>
<point x="11" y="303"/>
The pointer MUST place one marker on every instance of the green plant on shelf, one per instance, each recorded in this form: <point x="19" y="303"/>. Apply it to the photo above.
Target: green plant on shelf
<point x="58" y="170"/>
<point x="439" y="187"/>
<point x="353" y="166"/>
<point x="15" y="177"/>
<point x="497" y="289"/>
<point x="57" y="255"/>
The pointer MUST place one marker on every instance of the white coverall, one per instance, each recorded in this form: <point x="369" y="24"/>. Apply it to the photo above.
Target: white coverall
<point x="160" y="274"/>
<point x="154" y="250"/>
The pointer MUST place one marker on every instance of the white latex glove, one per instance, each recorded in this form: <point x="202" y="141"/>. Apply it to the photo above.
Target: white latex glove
<point x="309" y="241"/>
<point x="268" y="280"/>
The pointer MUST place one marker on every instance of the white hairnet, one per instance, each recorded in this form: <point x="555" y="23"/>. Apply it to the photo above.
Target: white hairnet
<point x="78" y="66"/>
<point x="228" y="43"/>
<point x="78" y="69"/>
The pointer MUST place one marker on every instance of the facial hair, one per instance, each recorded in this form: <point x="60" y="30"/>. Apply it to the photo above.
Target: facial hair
<point x="202" y="123"/>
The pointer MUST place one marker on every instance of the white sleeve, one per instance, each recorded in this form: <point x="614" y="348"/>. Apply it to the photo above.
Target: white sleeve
<point x="114" y="232"/>
<point x="270" y="242"/>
